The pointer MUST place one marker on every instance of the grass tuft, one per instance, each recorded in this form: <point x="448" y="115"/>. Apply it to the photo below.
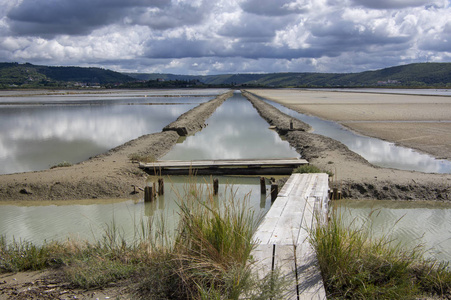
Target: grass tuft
<point x="63" y="164"/>
<point x="355" y="265"/>
<point x="136" y="157"/>
<point x="311" y="169"/>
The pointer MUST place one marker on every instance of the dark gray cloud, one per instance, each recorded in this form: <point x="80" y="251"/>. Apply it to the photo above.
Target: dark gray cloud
<point x="172" y="15"/>
<point x="254" y="28"/>
<point x="391" y="4"/>
<point x="275" y="8"/>
<point x="205" y="37"/>
<point x="52" y="17"/>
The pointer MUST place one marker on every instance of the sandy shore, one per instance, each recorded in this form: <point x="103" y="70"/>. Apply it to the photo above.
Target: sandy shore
<point x="109" y="175"/>
<point x="113" y="175"/>
<point x="355" y="176"/>
<point x="414" y="121"/>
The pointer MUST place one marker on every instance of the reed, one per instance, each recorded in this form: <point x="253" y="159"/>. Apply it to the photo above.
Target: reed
<point x="209" y="257"/>
<point x="355" y="265"/>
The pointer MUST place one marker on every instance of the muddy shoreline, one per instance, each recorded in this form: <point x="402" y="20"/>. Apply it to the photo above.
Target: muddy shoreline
<point x="353" y="175"/>
<point x="108" y="175"/>
<point x="113" y="175"/>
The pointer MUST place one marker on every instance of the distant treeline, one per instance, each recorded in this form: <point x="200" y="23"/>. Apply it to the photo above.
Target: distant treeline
<point x="419" y="75"/>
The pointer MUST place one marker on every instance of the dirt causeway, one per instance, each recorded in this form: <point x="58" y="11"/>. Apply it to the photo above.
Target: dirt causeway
<point x="109" y="175"/>
<point x="112" y="175"/>
<point x="355" y="176"/>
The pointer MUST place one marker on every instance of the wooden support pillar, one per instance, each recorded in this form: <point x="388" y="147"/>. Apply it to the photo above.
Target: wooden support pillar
<point x="335" y="194"/>
<point x="274" y="191"/>
<point x="215" y="186"/>
<point x="148" y="194"/>
<point x="160" y="186"/>
<point x="262" y="185"/>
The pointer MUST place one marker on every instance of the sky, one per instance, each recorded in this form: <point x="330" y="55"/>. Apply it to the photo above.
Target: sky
<point x="206" y="37"/>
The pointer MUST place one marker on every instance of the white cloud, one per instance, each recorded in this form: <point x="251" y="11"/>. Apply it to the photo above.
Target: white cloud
<point x="226" y="36"/>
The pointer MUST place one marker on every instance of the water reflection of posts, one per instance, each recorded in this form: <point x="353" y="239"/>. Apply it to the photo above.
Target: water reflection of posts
<point x="150" y="208"/>
<point x="262" y="200"/>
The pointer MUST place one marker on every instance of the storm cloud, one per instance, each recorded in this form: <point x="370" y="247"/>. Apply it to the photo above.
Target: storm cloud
<point x="225" y="36"/>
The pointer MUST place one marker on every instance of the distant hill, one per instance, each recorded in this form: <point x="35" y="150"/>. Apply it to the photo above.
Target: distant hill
<point x="412" y="75"/>
<point x="28" y="75"/>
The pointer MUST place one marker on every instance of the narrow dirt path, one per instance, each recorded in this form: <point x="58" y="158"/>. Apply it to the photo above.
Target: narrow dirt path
<point x="109" y="175"/>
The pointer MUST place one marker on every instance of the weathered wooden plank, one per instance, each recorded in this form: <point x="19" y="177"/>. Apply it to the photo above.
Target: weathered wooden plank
<point x="310" y="282"/>
<point x="224" y="163"/>
<point x="284" y="263"/>
<point x="301" y="203"/>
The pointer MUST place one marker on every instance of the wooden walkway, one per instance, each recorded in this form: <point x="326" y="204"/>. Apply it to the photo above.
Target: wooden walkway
<point x="224" y="167"/>
<point x="283" y="236"/>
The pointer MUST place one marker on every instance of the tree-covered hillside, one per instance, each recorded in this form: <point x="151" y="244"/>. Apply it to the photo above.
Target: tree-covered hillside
<point x="412" y="75"/>
<point x="28" y="75"/>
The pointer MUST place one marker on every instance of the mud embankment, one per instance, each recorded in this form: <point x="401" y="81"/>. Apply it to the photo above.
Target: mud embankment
<point x="353" y="175"/>
<point x="108" y="175"/>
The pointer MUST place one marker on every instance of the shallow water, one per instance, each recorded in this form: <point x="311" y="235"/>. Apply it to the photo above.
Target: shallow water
<point x="89" y="220"/>
<point x="430" y="92"/>
<point x="52" y="129"/>
<point x="376" y="151"/>
<point x="234" y="131"/>
<point x="411" y="223"/>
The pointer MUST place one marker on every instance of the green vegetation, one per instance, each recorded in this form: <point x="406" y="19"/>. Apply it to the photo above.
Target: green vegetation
<point x="63" y="164"/>
<point x="311" y="169"/>
<point x="355" y="265"/>
<point x="14" y="75"/>
<point x="136" y="157"/>
<point x="209" y="257"/>
<point x="419" y="75"/>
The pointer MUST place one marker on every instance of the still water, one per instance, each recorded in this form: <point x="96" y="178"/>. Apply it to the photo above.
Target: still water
<point x="52" y="129"/>
<point x="234" y="131"/>
<point x="88" y="220"/>
<point x="411" y="223"/>
<point x="377" y="152"/>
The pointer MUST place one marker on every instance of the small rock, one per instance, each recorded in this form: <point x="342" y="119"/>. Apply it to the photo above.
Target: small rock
<point x="25" y="192"/>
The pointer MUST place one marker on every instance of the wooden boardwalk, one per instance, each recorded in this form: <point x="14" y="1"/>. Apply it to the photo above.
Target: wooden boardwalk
<point x="224" y="167"/>
<point x="283" y="236"/>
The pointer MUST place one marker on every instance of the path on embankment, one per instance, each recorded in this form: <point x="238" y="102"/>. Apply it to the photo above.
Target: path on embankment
<point x="108" y="175"/>
<point x="112" y="174"/>
<point x="355" y="176"/>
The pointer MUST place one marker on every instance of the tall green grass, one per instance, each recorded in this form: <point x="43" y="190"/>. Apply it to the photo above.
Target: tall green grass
<point x="209" y="257"/>
<point x="355" y="265"/>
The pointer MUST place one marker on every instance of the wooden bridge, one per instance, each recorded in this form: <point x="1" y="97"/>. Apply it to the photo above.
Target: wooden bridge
<point x="282" y="236"/>
<point x="224" y="167"/>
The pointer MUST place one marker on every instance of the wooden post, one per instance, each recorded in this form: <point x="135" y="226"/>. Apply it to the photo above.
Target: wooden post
<point x="336" y="194"/>
<point x="274" y="191"/>
<point x="262" y="185"/>
<point x="154" y="185"/>
<point x="160" y="186"/>
<point x="291" y="124"/>
<point x="148" y="194"/>
<point x="215" y="186"/>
